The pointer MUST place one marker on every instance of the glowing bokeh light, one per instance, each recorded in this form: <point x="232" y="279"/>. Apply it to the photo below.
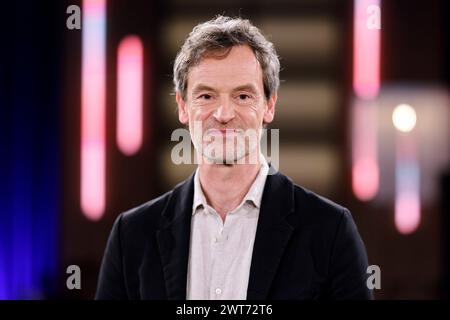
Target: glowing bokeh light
<point x="407" y="197"/>
<point x="365" y="167"/>
<point x="404" y="118"/>
<point x="93" y="107"/>
<point x="129" y="95"/>
<point x="366" y="48"/>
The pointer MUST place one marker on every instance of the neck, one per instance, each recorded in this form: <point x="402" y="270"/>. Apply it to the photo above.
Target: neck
<point x="225" y="185"/>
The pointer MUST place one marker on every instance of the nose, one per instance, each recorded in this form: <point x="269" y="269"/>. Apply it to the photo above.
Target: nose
<point x="225" y="112"/>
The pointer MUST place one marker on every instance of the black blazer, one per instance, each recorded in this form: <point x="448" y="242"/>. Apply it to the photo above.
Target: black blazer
<point x="306" y="247"/>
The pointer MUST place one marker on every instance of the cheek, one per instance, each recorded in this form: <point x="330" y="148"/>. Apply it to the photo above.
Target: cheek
<point x="253" y="116"/>
<point x="199" y="114"/>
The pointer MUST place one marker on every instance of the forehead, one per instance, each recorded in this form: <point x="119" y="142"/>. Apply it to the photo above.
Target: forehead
<point x="240" y="66"/>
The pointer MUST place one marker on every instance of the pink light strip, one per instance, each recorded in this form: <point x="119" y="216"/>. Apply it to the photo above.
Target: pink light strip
<point x="365" y="168"/>
<point x="407" y="184"/>
<point x="93" y="109"/>
<point x="366" y="50"/>
<point x="129" y="95"/>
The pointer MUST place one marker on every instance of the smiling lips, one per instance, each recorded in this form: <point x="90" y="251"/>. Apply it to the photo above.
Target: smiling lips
<point x="222" y="132"/>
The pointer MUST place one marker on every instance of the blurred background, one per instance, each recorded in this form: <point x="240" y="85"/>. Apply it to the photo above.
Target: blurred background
<point x="86" y="117"/>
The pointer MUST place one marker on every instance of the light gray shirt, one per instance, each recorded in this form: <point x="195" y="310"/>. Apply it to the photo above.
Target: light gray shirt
<point x="220" y="253"/>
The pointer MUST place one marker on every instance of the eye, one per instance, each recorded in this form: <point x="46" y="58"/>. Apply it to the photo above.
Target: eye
<point x="244" y="96"/>
<point x="205" y="96"/>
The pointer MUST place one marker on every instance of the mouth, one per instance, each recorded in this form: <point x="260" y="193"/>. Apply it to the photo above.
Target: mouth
<point x="222" y="132"/>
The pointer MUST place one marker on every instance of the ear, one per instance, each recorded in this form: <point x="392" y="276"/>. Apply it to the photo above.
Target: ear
<point x="183" y="115"/>
<point x="269" y="113"/>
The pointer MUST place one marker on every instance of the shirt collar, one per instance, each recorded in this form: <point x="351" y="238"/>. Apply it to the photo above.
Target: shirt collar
<point x="253" y="195"/>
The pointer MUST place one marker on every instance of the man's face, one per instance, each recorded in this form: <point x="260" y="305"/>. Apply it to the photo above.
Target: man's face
<point x="225" y="98"/>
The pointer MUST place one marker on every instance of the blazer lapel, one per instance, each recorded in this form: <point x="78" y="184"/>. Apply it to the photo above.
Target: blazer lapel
<point x="173" y="239"/>
<point x="272" y="234"/>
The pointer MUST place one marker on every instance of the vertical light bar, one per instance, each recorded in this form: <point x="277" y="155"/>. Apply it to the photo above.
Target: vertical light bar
<point x="366" y="48"/>
<point x="366" y="84"/>
<point x="93" y="109"/>
<point x="407" y="171"/>
<point x="129" y="95"/>
<point x="365" y="169"/>
<point x="407" y="194"/>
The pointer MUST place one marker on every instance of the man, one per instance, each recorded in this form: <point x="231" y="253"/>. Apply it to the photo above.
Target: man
<point x="232" y="230"/>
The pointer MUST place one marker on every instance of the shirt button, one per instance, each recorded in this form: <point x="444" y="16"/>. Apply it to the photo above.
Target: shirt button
<point x="218" y="291"/>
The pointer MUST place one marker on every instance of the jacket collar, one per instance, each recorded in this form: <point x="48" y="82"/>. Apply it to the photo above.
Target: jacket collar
<point x="272" y="235"/>
<point x="253" y="195"/>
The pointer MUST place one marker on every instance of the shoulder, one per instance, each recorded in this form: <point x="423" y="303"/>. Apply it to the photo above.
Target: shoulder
<point x="147" y="216"/>
<point x="323" y="220"/>
<point x="146" y="212"/>
<point x="312" y="208"/>
<point x="319" y="204"/>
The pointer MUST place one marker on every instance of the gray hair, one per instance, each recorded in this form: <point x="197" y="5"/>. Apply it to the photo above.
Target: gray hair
<point x="223" y="33"/>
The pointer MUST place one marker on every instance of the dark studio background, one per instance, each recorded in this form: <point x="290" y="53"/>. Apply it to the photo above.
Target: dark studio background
<point x="42" y="227"/>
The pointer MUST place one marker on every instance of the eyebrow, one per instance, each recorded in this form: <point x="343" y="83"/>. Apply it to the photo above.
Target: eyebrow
<point x="245" y="87"/>
<point x="201" y="87"/>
